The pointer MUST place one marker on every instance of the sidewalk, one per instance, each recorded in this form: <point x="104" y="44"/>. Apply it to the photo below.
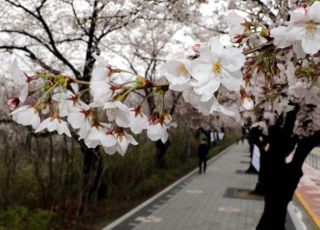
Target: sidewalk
<point x="203" y="202"/>
<point x="308" y="191"/>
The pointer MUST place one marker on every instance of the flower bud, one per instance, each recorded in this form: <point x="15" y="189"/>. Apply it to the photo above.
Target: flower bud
<point x="247" y="103"/>
<point x="196" y="48"/>
<point x="13" y="103"/>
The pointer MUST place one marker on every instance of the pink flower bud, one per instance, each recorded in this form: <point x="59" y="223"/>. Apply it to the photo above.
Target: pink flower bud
<point x="13" y="103"/>
<point x="247" y="103"/>
<point x="196" y="48"/>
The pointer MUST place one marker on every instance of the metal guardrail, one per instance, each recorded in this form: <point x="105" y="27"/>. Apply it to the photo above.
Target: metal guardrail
<point x="313" y="160"/>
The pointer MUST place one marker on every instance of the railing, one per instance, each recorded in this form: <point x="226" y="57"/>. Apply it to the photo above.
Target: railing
<point x="313" y="160"/>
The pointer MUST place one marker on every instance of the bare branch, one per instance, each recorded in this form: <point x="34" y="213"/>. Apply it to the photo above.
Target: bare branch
<point x="32" y="56"/>
<point x="38" y="16"/>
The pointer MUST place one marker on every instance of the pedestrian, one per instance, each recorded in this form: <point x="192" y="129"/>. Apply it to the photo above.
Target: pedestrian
<point x="202" y="154"/>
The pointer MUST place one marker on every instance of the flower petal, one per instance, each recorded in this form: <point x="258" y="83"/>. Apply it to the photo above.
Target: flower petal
<point x="314" y="12"/>
<point x="231" y="80"/>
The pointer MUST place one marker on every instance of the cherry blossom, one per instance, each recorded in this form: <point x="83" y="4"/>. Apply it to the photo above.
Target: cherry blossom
<point x="26" y="115"/>
<point x="158" y="128"/>
<point x="123" y="139"/>
<point x="207" y="107"/>
<point x="118" y="112"/>
<point x="100" y="134"/>
<point x="237" y="29"/>
<point x="101" y="88"/>
<point x="304" y="26"/>
<point x="68" y="102"/>
<point x="216" y="65"/>
<point x="54" y="123"/>
<point x="176" y="71"/>
<point x="138" y="120"/>
<point x="81" y="118"/>
<point x="20" y="79"/>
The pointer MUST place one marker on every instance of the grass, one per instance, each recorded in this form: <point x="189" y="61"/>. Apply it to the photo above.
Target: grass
<point x="54" y="185"/>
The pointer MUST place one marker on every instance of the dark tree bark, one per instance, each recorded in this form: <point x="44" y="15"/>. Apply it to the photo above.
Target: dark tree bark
<point x="261" y="142"/>
<point x="281" y="178"/>
<point x="161" y="149"/>
<point x="91" y="174"/>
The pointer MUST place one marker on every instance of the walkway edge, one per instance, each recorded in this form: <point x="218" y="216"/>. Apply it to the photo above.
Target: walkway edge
<point x="139" y="207"/>
<point x="308" y="209"/>
<point x="296" y="217"/>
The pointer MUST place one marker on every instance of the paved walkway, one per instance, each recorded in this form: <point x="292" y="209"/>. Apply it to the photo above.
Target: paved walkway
<point x="308" y="191"/>
<point x="202" y="202"/>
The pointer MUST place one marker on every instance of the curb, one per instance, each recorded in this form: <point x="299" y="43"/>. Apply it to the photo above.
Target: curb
<point x="139" y="207"/>
<point x="308" y="209"/>
<point x="296" y="216"/>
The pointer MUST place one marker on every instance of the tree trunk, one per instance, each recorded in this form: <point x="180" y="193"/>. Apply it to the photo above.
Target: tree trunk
<point x="279" y="190"/>
<point x="282" y="178"/>
<point x="161" y="149"/>
<point x="91" y="174"/>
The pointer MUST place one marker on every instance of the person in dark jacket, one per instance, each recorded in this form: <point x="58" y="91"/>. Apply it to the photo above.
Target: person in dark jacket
<point x="202" y="154"/>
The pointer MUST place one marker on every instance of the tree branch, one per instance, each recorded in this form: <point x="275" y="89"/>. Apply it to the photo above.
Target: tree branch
<point x="89" y="61"/>
<point x="33" y="57"/>
<point x="46" y="28"/>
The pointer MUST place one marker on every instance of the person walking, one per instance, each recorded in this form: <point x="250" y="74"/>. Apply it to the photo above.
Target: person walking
<point x="202" y="154"/>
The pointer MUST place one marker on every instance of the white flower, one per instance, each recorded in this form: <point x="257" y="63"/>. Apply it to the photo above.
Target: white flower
<point x="216" y="65"/>
<point x="138" y="121"/>
<point x="118" y="112"/>
<point x="123" y="140"/>
<point x="54" y="123"/>
<point x="176" y="71"/>
<point x="304" y="26"/>
<point x="20" y="79"/>
<point x="180" y="88"/>
<point x="100" y="85"/>
<point x="26" y="115"/>
<point x="68" y="102"/>
<point x="99" y="135"/>
<point x="281" y="38"/>
<point x="158" y="128"/>
<point x="157" y="131"/>
<point x="81" y="119"/>
<point x="206" y="108"/>
<point x="236" y="29"/>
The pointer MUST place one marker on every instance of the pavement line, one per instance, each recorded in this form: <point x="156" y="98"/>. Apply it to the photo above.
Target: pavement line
<point x="309" y="210"/>
<point x="133" y="211"/>
<point x="296" y="217"/>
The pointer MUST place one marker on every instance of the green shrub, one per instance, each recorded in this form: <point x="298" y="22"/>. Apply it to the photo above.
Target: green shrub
<point x="17" y="218"/>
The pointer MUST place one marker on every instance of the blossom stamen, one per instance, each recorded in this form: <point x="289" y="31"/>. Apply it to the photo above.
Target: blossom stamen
<point x="216" y="67"/>
<point x="182" y="70"/>
<point x="310" y="27"/>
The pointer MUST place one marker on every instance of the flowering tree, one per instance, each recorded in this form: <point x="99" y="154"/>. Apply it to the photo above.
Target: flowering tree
<point x="269" y="74"/>
<point x="61" y="38"/>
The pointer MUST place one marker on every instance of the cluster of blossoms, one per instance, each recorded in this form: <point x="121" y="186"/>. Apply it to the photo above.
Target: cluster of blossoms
<point x="303" y="30"/>
<point x="106" y="120"/>
<point x="284" y="71"/>
<point x="200" y="79"/>
<point x="61" y="106"/>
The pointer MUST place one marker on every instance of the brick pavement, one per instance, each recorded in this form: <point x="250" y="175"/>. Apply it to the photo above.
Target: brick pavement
<point x="199" y="202"/>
